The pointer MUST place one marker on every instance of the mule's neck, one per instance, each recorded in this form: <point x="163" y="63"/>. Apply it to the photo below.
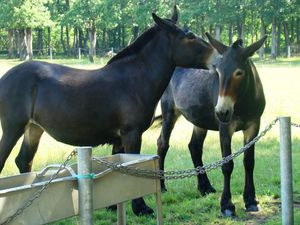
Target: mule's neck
<point x="155" y="68"/>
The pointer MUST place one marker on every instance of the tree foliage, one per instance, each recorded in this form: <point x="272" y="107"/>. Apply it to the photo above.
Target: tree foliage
<point x="117" y="22"/>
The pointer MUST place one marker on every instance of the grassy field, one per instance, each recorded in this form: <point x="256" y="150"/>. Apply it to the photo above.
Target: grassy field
<point x="182" y="204"/>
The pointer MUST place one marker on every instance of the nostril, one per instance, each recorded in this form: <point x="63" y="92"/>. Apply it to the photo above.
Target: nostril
<point x="226" y="113"/>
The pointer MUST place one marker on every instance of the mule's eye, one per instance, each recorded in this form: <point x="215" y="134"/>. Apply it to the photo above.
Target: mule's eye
<point x="190" y="35"/>
<point x="239" y="73"/>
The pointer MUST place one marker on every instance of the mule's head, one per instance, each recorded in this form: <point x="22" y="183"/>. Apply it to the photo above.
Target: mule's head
<point x="232" y="69"/>
<point x="187" y="50"/>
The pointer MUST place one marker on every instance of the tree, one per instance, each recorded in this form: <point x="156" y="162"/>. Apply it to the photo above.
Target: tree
<point x="23" y="16"/>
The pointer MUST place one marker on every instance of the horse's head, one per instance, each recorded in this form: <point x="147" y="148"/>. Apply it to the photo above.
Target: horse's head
<point x="188" y="50"/>
<point x="233" y="70"/>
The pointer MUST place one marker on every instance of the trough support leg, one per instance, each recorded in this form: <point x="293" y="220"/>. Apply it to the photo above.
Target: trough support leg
<point x="159" y="215"/>
<point x="286" y="171"/>
<point x="85" y="185"/>
<point x="121" y="211"/>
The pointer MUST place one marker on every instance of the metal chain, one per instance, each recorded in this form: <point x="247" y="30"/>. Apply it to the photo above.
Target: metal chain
<point x="295" y="125"/>
<point x="180" y="174"/>
<point x="40" y="191"/>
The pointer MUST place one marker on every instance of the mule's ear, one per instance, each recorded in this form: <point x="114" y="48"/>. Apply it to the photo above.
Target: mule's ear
<point x="220" y="47"/>
<point x="250" y="50"/>
<point x="164" y="24"/>
<point x="174" y="16"/>
<point x="237" y="43"/>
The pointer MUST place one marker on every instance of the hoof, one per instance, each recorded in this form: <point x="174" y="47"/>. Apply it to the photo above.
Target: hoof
<point x="228" y="210"/>
<point x="207" y="190"/>
<point x="252" y="208"/>
<point x="145" y="211"/>
<point x="140" y="208"/>
<point x="228" y="213"/>
<point x="163" y="189"/>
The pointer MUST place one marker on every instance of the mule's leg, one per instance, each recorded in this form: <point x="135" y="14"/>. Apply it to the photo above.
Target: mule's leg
<point x="29" y="147"/>
<point x="196" y="149"/>
<point x="131" y="142"/>
<point x="227" y="207"/>
<point x="117" y="148"/>
<point x="249" y="190"/>
<point x="169" y="118"/>
<point x="10" y="136"/>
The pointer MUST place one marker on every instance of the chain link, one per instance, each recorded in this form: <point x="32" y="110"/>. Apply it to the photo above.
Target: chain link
<point x="180" y="174"/>
<point x="40" y="191"/>
<point x="295" y="125"/>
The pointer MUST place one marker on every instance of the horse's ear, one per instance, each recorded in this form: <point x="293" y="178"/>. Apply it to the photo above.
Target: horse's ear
<point x="165" y="24"/>
<point x="174" y="16"/>
<point x="250" y="50"/>
<point x="220" y="47"/>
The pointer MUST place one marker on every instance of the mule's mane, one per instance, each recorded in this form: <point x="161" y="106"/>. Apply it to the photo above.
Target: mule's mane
<point x="136" y="46"/>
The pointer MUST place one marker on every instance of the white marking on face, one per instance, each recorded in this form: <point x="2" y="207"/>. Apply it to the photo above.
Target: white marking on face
<point x="224" y="103"/>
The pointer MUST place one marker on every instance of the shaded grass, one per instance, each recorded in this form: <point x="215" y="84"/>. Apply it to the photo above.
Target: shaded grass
<point x="182" y="204"/>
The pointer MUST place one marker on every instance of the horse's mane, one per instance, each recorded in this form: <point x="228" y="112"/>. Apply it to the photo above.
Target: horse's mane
<point x="136" y="46"/>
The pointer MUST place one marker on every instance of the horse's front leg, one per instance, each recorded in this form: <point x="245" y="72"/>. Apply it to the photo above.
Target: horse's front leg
<point x="249" y="190"/>
<point x="227" y="207"/>
<point x="131" y="141"/>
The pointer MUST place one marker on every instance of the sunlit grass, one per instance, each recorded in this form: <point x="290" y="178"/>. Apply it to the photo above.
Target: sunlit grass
<point x="182" y="204"/>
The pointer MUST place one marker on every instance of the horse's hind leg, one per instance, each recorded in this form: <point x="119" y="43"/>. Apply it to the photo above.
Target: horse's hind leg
<point x="196" y="149"/>
<point x="10" y="136"/>
<point x="29" y="147"/>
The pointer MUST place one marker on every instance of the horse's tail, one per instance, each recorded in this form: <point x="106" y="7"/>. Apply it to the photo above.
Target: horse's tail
<point x="156" y="122"/>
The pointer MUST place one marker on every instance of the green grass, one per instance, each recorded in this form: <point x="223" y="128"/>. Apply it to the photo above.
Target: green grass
<point x="182" y="204"/>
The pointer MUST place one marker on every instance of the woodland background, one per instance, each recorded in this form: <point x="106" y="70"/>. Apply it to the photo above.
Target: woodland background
<point x="29" y="28"/>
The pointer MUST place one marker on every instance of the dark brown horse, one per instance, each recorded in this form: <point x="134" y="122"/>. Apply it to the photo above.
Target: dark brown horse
<point x="114" y="104"/>
<point x="229" y="99"/>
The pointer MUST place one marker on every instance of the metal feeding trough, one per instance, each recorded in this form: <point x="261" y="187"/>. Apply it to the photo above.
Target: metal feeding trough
<point x="60" y="199"/>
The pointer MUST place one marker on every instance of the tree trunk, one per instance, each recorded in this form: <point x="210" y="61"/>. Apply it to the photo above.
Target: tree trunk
<point x="85" y="43"/>
<point x="230" y="33"/>
<point x="292" y="29"/>
<point x="278" y="38"/>
<point x="93" y="40"/>
<point x="49" y="39"/>
<point x="298" y="30"/>
<point x="123" y="36"/>
<point x="80" y="38"/>
<point x="62" y="39"/>
<point x="40" y="41"/>
<point x="104" y="38"/>
<point x="202" y="26"/>
<point x="10" y="43"/>
<point x="22" y="44"/>
<point x="68" y="48"/>
<point x="273" y="47"/>
<point x="241" y="27"/>
<point x="218" y="32"/>
<point x="29" y="43"/>
<point x="262" y="33"/>
<point x="286" y="37"/>
<point x="17" y="42"/>
<point x="252" y="27"/>
<point x="75" y="42"/>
